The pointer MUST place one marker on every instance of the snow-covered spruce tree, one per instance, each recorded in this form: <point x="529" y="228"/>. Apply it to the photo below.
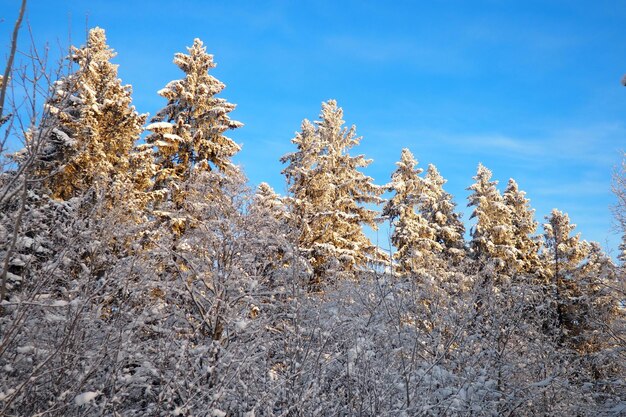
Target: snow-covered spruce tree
<point x="64" y="258"/>
<point x="438" y="209"/>
<point x="328" y="193"/>
<point x="94" y="125"/>
<point x="406" y="185"/>
<point x="563" y="256"/>
<point x="300" y="175"/>
<point x="189" y="131"/>
<point x="586" y="293"/>
<point x="268" y="235"/>
<point x="492" y="235"/>
<point x="413" y="237"/>
<point x="527" y="245"/>
<point x="600" y="304"/>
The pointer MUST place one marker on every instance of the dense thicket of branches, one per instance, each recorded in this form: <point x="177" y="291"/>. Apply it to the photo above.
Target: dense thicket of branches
<point x="148" y="279"/>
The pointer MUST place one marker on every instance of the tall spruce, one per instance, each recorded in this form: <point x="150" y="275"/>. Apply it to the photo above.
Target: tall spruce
<point x="563" y="257"/>
<point x="300" y="174"/>
<point x="492" y="235"/>
<point x="412" y="235"/>
<point x="92" y="123"/>
<point x="524" y="226"/>
<point x="189" y="132"/>
<point x="600" y="305"/>
<point x="328" y="195"/>
<point x="438" y="209"/>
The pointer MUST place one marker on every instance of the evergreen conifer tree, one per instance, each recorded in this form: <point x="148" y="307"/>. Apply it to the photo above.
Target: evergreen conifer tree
<point x="189" y="131"/>
<point x="438" y="209"/>
<point x="600" y="302"/>
<point x="268" y="234"/>
<point x="300" y="173"/>
<point x="492" y="235"/>
<point x="94" y="125"/>
<point x="413" y="236"/>
<point x="527" y="245"/>
<point x="563" y="257"/>
<point x="406" y="185"/>
<point x="328" y="193"/>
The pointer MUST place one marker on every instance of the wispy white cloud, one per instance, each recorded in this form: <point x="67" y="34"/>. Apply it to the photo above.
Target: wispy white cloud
<point x="492" y="143"/>
<point x="596" y="144"/>
<point x="513" y="33"/>
<point x="441" y="59"/>
<point x="586" y="188"/>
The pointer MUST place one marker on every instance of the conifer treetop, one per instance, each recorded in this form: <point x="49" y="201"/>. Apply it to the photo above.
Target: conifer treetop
<point x="434" y="177"/>
<point x="414" y="237"/>
<point x="438" y="208"/>
<point x="483" y="187"/>
<point x="96" y="46"/>
<point x="406" y="185"/>
<point x="94" y="124"/>
<point x="266" y="198"/>
<point x="189" y="131"/>
<point x="328" y="192"/>
<point x="565" y="249"/>
<point x="524" y="228"/>
<point x="492" y="235"/>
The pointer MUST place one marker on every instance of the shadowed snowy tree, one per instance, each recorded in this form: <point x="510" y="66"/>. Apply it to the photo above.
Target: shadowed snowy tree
<point x="268" y="235"/>
<point x="600" y="304"/>
<point x="563" y="256"/>
<point x="328" y="193"/>
<point x="587" y="293"/>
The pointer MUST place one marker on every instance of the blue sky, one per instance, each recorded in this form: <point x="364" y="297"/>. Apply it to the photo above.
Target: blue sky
<point x="530" y="88"/>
